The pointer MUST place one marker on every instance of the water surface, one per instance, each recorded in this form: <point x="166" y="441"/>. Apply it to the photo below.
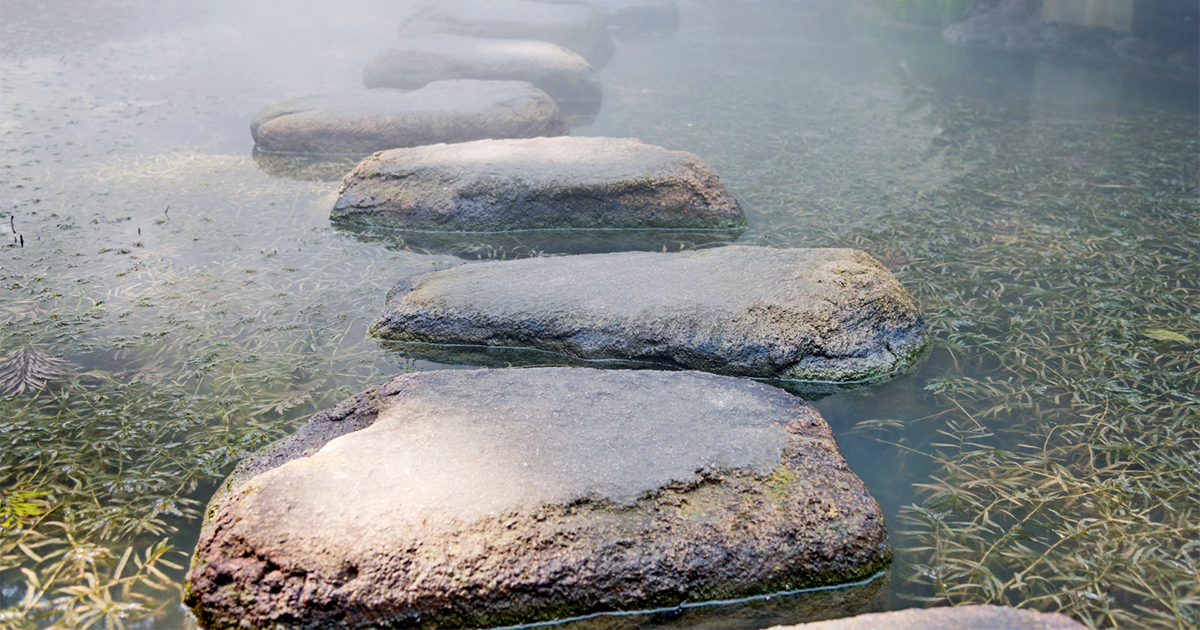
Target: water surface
<point x="184" y="301"/>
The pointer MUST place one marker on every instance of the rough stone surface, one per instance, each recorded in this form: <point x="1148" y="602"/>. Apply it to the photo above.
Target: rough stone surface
<point x="577" y="27"/>
<point x="632" y="16"/>
<point x="958" y="618"/>
<point x="536" y="184"/>
<point x="567" y="77"/>
<point x="483" y="497"/>
<point x="375" y="120"/>
<point x="804" y="314"/>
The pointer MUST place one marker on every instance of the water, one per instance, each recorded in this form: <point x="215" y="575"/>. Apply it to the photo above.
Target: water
<point x="1043" y="214"/>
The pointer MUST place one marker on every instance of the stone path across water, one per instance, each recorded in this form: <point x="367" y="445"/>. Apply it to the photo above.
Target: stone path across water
<point x="567" y="77"/>
<point x="486" y="497"/>
<point x="577" y="27"/>
<point x="537" y="184"/>
<point x="804" y="314"/>
<point x="375" y="120"/>
<point x="490" y="497"/>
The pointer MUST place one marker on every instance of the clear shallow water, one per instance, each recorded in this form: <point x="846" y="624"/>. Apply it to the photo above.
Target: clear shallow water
<point x="206" y="305"/>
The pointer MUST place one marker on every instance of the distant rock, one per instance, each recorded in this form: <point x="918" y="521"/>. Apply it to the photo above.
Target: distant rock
<point x="950" y="618"/>
<point x="632" y="16"/>
<point x="830" y="315"/>
<point x="1159" y="34"/>
<point x="1012" y="25"/>
<point x="567" y="77"/>
<point x="489" y="497"/>
<point x="577" y="27"/>
<point x="375" y="120"/>
<point x="536" y="184"/>
<point x="1187" y="60"/>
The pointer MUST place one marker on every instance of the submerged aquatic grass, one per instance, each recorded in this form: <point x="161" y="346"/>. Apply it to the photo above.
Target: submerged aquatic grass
<point x="1067" y="476"/>
<point x="188" y="351"/>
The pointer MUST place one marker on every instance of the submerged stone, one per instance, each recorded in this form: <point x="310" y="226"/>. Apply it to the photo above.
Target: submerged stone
<point x="567" y="77"/>
<point x="576" y="27"/>
<point x="802" y="314"/>
<point x="486" y="497"/>
<point x="985" y="617"/>
<point x="375" y="120"/>
<point x="536" y="184"/>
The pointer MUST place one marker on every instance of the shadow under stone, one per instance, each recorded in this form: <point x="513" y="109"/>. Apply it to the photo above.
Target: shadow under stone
<point x="522" y="357"/>
<point x="530" y="243"/>
<point x="743" y="614"/>
<point x="312" y="167"/>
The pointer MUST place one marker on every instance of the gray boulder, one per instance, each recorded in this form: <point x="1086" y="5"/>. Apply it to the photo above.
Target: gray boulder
<point x="985" y="617"/>
<point x="375" y="120"/>
<point x="1012" y="25"/>
<point x="568" y="78"/>
<point x="577" y="27"/>
<point x="536" y="184"/>
<point x="801" y="314"/>
<point x="489" y="497"/>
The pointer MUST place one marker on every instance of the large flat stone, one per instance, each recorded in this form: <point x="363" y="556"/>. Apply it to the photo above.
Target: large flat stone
<point x="567" y="77"/>
<point x="804" y="314"/>
<point x="484" y="497"/>
<point x="536" y="184"/>
<point x="956" y="618"/>
<point x="375" y="120"/>
<point x="577" y="27"/>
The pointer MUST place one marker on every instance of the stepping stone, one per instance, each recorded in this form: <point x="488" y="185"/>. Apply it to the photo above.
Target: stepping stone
<point x="375" y="120"/>
<point x="985" y="617"/>
<point x="536" y="184"/>
<point x="568" y="78"/>
<point x="576" y="27"/>
<point x="476" y="498"/>
<point x="826" y="315"/>
<point x="632" y="16"/>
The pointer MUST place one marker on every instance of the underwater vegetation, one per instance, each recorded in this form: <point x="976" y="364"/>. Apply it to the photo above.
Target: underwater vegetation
<point x="1067" y="299"/>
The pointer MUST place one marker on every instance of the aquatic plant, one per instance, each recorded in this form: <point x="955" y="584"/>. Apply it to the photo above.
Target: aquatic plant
<point x="188" y="354"/>
<point x="1067" y="476"/>
<point x="29" y="368"/>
